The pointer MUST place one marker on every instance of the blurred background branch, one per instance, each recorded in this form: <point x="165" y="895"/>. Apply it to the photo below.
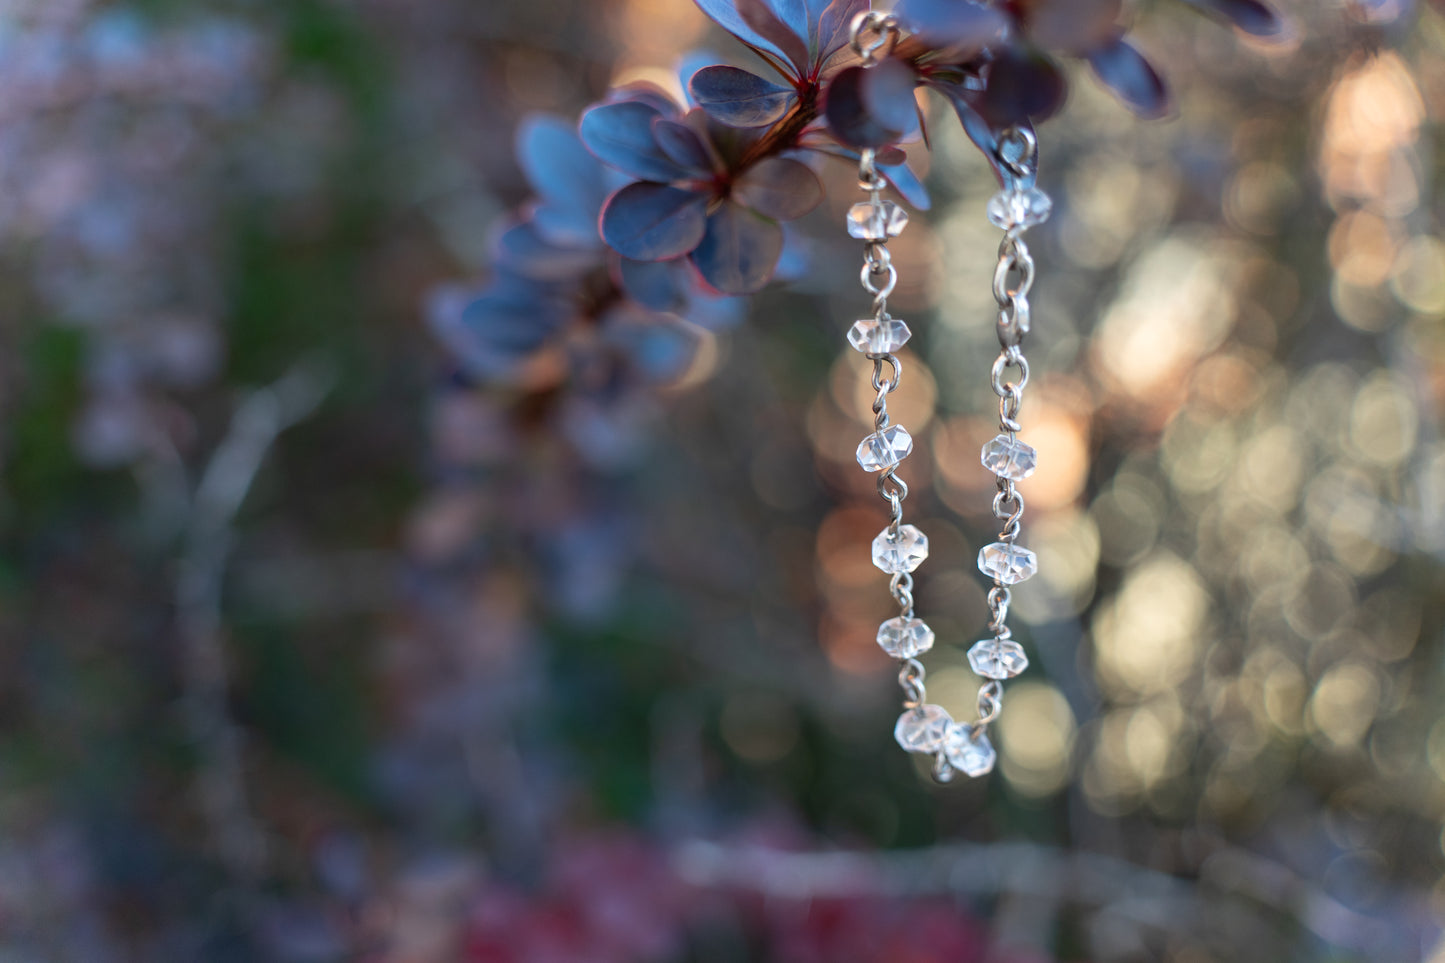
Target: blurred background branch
<point x="220" y="492"/>
<point x="574" y="659"/>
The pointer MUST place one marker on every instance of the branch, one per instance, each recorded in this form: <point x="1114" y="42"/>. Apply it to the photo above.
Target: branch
<point x="223" y="487"/>
<point x="1148" y="899"/>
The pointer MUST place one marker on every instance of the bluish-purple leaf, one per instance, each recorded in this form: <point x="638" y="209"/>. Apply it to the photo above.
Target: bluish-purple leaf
<point x="848" y="115"/>
<point x="899" y="174"/>
<point x="660" y="346"/>
<point x="891" y="156"/>
<point x="659" y="285"/>
<point x="1125" y="71"/>
<point x="789" y="37"/>
<point x="739" y="250"/>
<point x="682" y="145"/>
<point x="653" y="222"/>
<point x="568" y="179"/>
<point x="739" y="98"/>
<point x="689" y="65"/>
<point x="1023" y="85"/>
<point x="779" y="187"/>
<point x="888" y="96"/>
<point x="1251" y="16"/>
<point x="985" y="137"/>
<point x="1073" y="26"/>
<point x="977" y="129"/>
<point x="907" y="184"/>
<point x="952" y="23"/>
<point x="725" y="14"/>
<point x="491" y="333"/>
<point x="714" y="312"/>
<point x="835" y="25"/>
<point x="643" y="92"/>
<point x="567" y="226"/>
<point x="620" y="134"/>
<point x="523" y="249"/>
<point x="797" y="260"/>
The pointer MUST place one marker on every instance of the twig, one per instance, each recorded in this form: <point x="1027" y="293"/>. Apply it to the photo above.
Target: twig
<point x="222" y="489"/>
<point x="1149" y="900"/>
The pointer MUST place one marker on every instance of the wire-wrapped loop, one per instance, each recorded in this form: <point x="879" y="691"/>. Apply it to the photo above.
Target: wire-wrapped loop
<point x="911" y="679"/>
<point x="883" y="27"/>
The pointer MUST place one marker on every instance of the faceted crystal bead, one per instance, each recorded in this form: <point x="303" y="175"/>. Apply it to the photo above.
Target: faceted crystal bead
<point x="873" y="336"/>
<point x="896" y="554"/>
<point x="969" y="751"/>
<point x="876" y="222"/>
<point x="904" y="638"/>
<point x="884" y="449"/>
<point x="922" y="729"/>
<point x="1009" y="458"/>
<point x="998" y="658"/>
<point x="1019" y="208"/>
<point x="1007" y="562"/>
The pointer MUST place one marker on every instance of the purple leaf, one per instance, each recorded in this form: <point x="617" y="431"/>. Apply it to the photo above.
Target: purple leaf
<point x="1022" y="85"/>
<point x="692" y="62"/>
<point x="682" y="145"/>
<point x="643" y="92"/>
<point x="1125" y="71"/>
<point x="714" y="312"/>
<point x="661" y="347"/>
<point x="492" y="333"/>
<point x="888" y="96"/>
<point x="952" y="23"/>
<point x="659" y="285"/>
<point x="835" y="26"/>
<point x="739" y="251"/>
<point x="653" y="222"/>
<point x="1073" y="26"/>
<point x="969" y="115"/>
<point x="787" y="37"/>
<point x="574" y="227"/>
<point x="524" y="250"/>
<point x="780" y="188"/>
<point x="739" y="98"/>
<point x="1251" y="16"/>
<point x="984" y="137"/>
<point x="891" y="156"/>
<point x="848" y="115"/>
<point x="567" y="178"/>
<point x="899" y="174"/>
<point x="620" y="134"/>
<point x="907" y="184"/>
<point x="725" y="14"/>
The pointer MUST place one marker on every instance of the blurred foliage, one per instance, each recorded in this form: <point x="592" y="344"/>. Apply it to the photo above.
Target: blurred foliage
<point x="581" y="668"/>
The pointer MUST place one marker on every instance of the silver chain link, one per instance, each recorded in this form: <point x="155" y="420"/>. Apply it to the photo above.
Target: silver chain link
<point x="874" y="36"/>
<point x="1013" y="279"/>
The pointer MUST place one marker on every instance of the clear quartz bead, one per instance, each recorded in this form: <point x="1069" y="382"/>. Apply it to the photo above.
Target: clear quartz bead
<point x="922" y="729"/>
<point x="884" y="449"/>
<point x="1027" y="207"/>
<point x="1009" y="458"/>
<point x="905" y="638"/>
<point x="998" y="658"/>
<point x="1007" y="562"/>
<point x="904" y="552"/>
<point x="868" y="221"/>
<point x="879" y="335"/>
<point x="969" y="750"/>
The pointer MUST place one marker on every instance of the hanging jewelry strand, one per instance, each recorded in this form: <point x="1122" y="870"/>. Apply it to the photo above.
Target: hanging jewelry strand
<point x="899" y="548"/>
<point x="1019" y="206"/>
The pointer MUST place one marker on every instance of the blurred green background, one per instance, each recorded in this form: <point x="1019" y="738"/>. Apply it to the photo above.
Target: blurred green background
<point x="315" y="651"/>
